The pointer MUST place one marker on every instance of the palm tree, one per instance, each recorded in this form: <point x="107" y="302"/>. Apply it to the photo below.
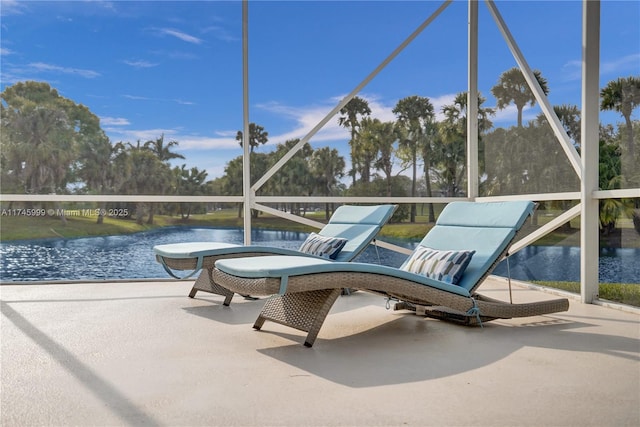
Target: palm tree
<point x="610" y="170"/>
<point x="189" y="182"/>
<point x="257" y="136"/>
<point x="415" y="114"/>
<point x="96" y="167"/>
<point x="163" y="152"/>
<point x="349" y="119"/>
<point x="386" y="135"/>
<point x="453" y="132"/>
<point x="367" y="147"/>
<point x="327" y="168"/>
<point x="294" y="178"/>
<point x="569" y="116"/>
<point x="512" y="87"/>
<point x="623" y="95"/>
<point x="145" y="174"/>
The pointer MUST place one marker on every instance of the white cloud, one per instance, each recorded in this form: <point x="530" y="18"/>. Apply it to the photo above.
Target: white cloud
<point x="440" y="102"/>
<point x="42" y="67"/>
<point x="146" y="98"/>
<point x="114" y="121"/>
<point x="136" y="97"/>
<point x="141" y="64"/>
<point x="4" y="51"/>
<point x="628" y="63"/>
<point x="180" y="35"/>
<point x="12" y="7"/>
<point x="183" y="102"/>
<point x="509" y="115"/>
<point x="186" y="141"/>
<point x="220" y="33"/>
<point x="306" y="118"/>
<point x="572" y="70"/>
<point x="195" y="142"/>
<point x="227" y="133"/>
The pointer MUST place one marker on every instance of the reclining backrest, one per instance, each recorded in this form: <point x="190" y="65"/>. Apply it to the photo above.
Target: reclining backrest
<point x="487" y="227"/>
<point x="359" y="225"/>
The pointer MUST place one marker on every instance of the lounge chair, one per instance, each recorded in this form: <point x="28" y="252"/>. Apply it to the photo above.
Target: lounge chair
<point x="304" y="289"/>
<point x="354" y="226"/>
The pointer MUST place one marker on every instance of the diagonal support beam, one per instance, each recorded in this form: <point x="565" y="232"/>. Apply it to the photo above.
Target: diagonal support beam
<point x="546" y="229"/>
<point x="569" y="150"/>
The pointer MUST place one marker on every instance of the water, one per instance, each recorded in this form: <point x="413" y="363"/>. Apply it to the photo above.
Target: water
<point x="131" y="256"/>
<point x="562" y="263"/>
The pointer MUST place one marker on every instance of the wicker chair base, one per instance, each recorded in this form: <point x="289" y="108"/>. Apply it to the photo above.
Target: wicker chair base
<point x="305" y="311"/>
<point x="205" y="282"/>
<point x="295" y="308"/>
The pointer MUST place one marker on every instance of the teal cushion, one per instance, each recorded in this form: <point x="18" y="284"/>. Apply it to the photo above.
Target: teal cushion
<point x="322" y="246"/>
<point x="446" y="266"/>
<point x="287" y="266"/>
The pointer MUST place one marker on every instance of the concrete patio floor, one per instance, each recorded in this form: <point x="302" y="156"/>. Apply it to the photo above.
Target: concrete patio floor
<point x="143" y="353"/>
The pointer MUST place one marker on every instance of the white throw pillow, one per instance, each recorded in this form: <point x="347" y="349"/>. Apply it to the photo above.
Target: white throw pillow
<point x="326" y="247"/>
<point x="445" y="266"/>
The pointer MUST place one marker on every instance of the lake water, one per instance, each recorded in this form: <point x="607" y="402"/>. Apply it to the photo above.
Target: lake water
<point x="131" y="256"/>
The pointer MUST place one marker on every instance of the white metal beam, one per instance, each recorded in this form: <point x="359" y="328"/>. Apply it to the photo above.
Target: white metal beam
<point x="589" y="221"/>
<point x="341" y="199"/>
<point x="623" y="193"/>
<point x="540" y="197"/>
<point x="545" y="229"/>
<point x="246" y="152"/>
<point x="118" y="198"/>
<point x="472" y="103"/>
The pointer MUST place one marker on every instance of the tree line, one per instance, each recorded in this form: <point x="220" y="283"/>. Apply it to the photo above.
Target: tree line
<point x="52" y="145"/>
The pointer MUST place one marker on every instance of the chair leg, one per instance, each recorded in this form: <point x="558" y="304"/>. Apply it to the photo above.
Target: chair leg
<point x="205" y="283"/>
<point x="305" y="311"/>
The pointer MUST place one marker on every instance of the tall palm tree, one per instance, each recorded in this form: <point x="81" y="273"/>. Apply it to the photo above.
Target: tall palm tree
<point x="367" y="147"/>
<point x="386" y="135"/>
<point x="450" y="148"/>
<point x="257" y="136"/>
<point x="623" y="95"/>
<point x="415" y="114"/>
<point x="349" y="119"/>
<point x="163" y="152"/>
<point x="512" y="87"/>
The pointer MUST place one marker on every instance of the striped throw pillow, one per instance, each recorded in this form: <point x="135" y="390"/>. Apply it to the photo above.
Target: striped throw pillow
<point x="326" y="247"/>
<point x="445" y="266"/>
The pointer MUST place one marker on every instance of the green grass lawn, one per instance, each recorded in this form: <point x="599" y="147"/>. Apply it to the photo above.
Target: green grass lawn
<point x="625" y="293"/>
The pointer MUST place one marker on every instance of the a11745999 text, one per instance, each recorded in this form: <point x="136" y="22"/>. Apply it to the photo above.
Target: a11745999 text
<point x="41" y="212"/>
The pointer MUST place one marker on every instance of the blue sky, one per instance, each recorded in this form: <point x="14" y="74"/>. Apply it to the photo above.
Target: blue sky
<point x="175" y="68"/>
